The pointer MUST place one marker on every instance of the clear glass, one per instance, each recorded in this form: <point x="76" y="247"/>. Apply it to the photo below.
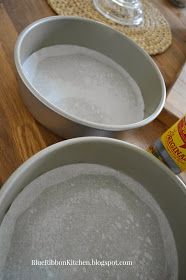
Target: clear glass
<point x="125" y="12"/>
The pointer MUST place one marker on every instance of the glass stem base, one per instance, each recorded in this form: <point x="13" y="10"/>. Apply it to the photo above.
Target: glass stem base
<point x="122" y="12"/>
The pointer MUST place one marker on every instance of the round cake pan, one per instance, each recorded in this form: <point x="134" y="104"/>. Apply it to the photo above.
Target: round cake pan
<point x="99" y="37"/>
<point x="167" y="189"/>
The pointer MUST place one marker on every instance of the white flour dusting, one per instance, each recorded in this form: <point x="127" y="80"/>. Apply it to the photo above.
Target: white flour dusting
<point x="85" y="84"/>
<point x="86" y="211"/>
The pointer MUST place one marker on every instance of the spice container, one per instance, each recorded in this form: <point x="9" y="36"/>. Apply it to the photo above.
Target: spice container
<point x="170" y="148"/>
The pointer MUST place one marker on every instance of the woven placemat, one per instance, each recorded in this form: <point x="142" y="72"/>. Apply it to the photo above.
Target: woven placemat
<point x="153" y="35"/>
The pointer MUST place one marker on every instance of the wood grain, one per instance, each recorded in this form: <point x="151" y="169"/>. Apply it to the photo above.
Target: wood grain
<point x="20" y="135"/>
<point x="172" y="61"/>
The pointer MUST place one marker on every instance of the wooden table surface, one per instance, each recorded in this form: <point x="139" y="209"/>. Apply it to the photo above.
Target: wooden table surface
<point x="20" y="135"/>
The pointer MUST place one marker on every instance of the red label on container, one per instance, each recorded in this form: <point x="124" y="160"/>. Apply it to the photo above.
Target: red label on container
<point x="182" y="131"/>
